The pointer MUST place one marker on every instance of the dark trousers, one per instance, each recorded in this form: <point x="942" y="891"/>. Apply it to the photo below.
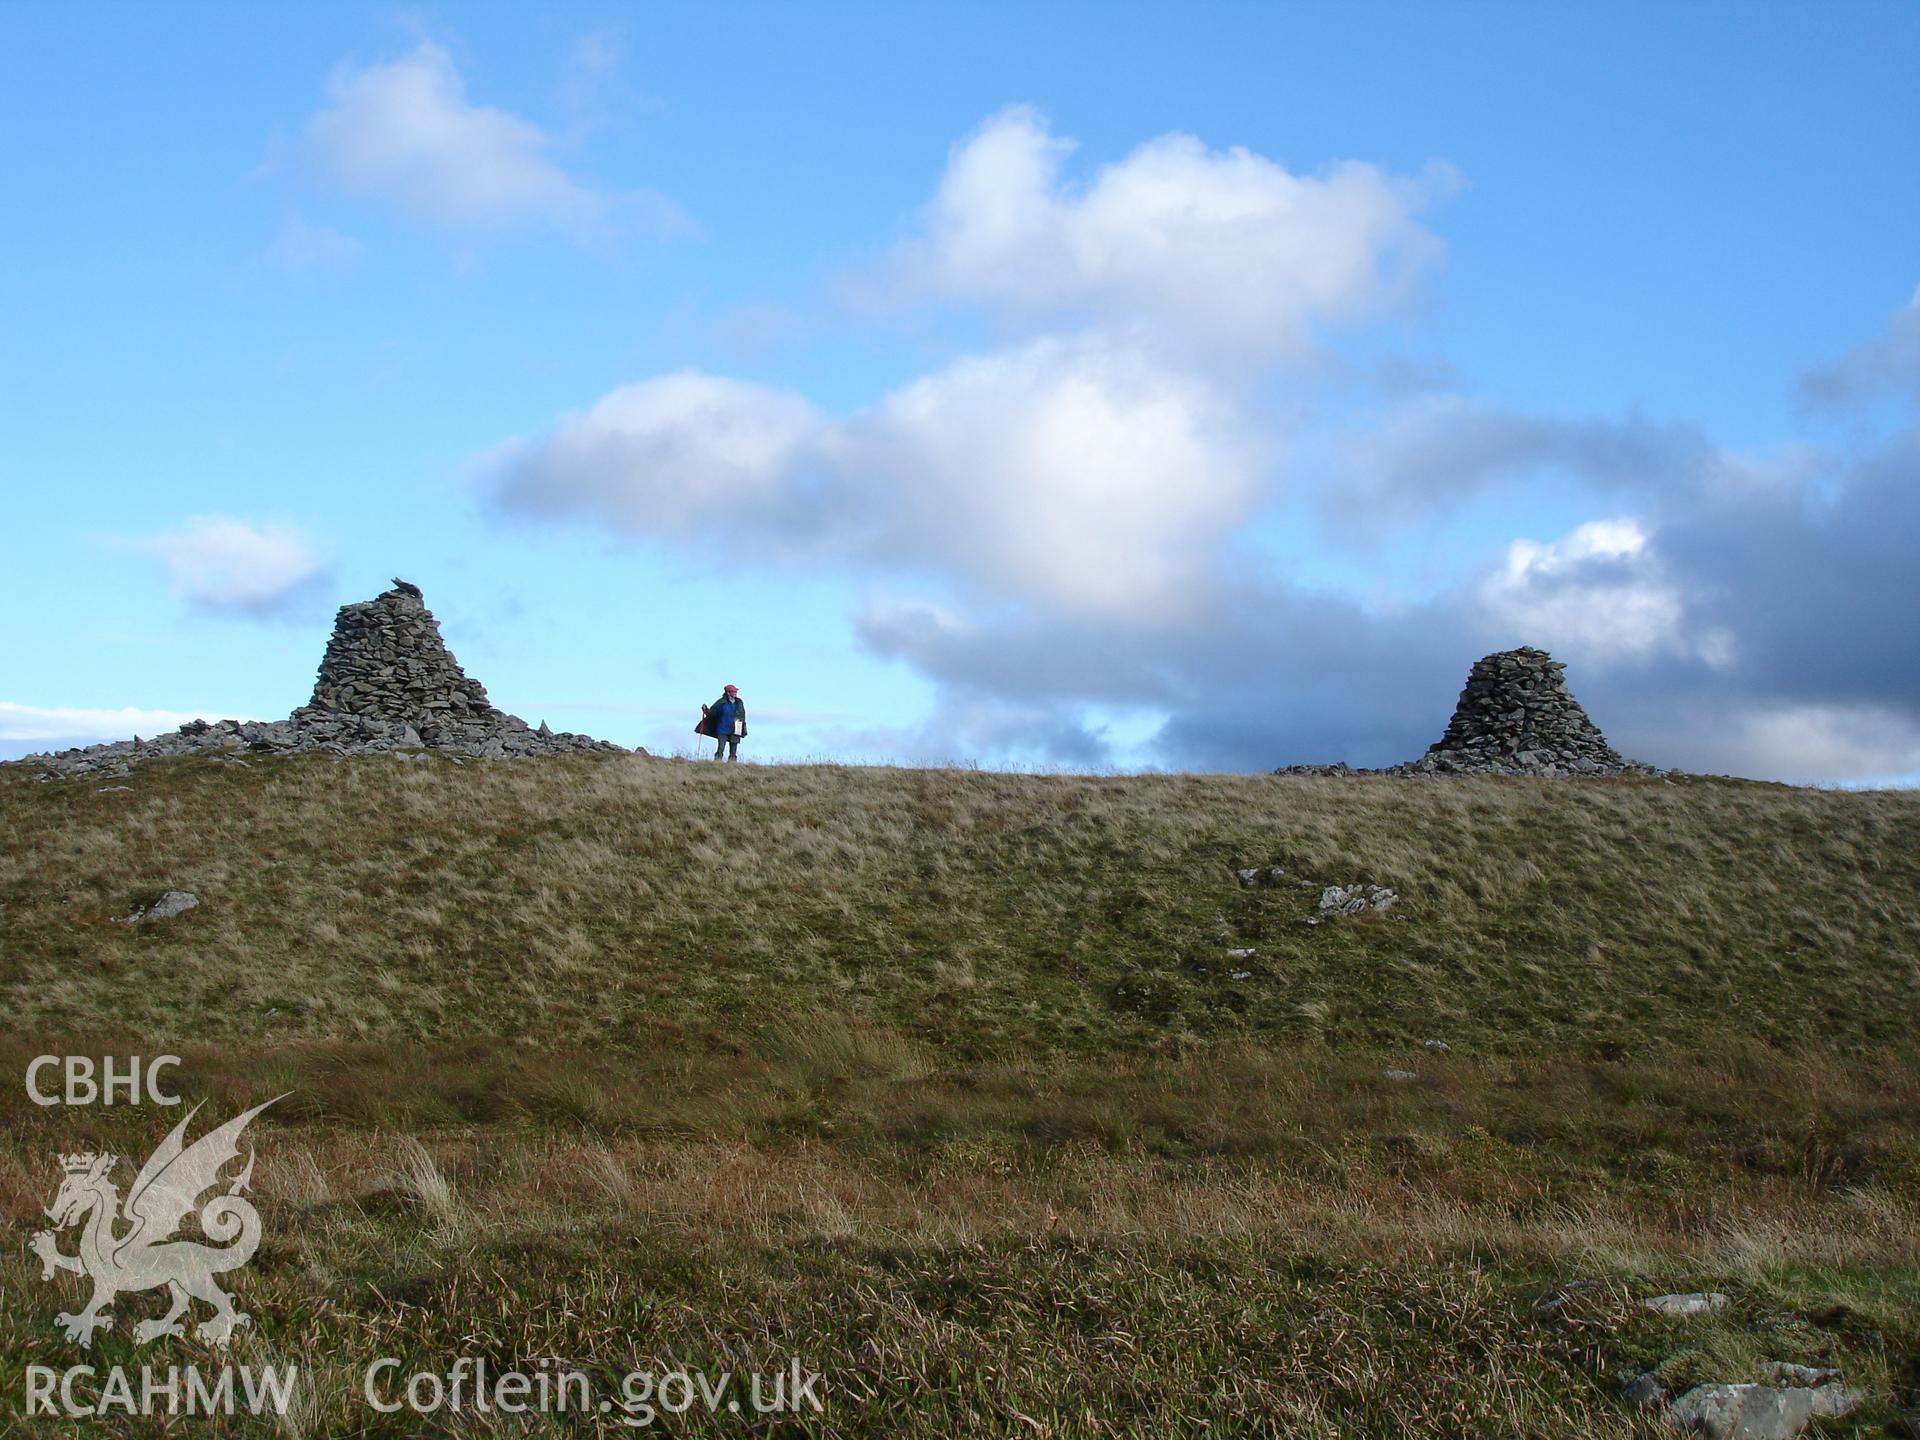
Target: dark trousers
<point x="729" y="745"/>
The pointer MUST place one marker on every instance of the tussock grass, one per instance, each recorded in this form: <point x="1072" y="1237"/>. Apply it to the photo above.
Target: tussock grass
<point x="616" y="902"/>
<point x="420" y="1179"/>
<point x="944" y="1082"/>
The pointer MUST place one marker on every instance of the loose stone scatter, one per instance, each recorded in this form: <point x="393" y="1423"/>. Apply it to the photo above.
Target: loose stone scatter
<point x="387" y="683"/>
<point x="1341" y="900"/>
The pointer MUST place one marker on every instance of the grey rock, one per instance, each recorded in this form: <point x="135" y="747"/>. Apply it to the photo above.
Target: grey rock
<point x="1782" y="1372"/>
<point x="1830" y="1402"/>
<point x="1438" y="1047"/>
<point x="170" y="904"/>
<point x="1340" y="900"/>
<point x="1697" y="1303"/>
<point x="1243" y="954"/>
<point x="1759" y="1412"/>
<point x="1644" y="1390"/>
<point x="1397" y="1075"/>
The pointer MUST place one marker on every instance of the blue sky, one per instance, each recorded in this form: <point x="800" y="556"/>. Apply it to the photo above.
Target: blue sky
<point x="1097" y="385"/>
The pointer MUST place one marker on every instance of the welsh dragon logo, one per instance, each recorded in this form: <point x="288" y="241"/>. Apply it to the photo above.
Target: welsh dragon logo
<point x="138" y="1247"/>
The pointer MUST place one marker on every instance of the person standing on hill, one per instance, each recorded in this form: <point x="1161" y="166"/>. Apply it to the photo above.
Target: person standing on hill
<point x="727" y="723"/>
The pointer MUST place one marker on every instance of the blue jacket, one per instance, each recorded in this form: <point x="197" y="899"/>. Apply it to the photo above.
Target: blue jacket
<point x="722" y="713"/>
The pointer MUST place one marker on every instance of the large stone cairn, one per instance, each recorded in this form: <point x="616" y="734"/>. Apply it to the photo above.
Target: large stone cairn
<point x="386" y="661"/>
<point x="387" y="683"/>
<point x="1517" y="717"/>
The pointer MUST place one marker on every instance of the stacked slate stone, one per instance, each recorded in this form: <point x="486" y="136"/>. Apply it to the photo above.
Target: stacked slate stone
<point x="1517" y="717"/>
<point x="387" y="662"/>
<point x="387" y="683"/>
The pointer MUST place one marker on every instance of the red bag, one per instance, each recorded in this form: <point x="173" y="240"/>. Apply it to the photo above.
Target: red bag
<point x="706" y="720"/>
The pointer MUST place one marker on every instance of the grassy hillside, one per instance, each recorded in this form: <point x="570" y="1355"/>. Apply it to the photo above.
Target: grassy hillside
<point x="948" y="1082"/>
<point x="603" y="903"/>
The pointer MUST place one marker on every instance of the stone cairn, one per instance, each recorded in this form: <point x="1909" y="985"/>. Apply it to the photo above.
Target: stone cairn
<point x="1517" y="717"/>
<point x="387" y="662"/>
<point x="387" y="683"/>
<point x="1514" y="717"/>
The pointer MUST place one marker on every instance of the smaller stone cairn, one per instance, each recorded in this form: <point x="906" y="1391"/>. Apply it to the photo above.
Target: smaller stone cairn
<point x="387" y="683"/>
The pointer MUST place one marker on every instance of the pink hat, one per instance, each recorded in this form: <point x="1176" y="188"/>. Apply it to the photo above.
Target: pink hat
<point x="732" y="690"/>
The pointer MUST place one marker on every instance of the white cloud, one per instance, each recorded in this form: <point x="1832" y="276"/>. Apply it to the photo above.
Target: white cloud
<point x="220" y="564"/>
<point x="663" y="455"/>
<point x="1208" y="247"/>
<point x="1079" y="475"/>
<point x="303" y="249"/>
<point x="404" y="132"/>
<point x="1598" y="592"/>
<point x="74" y="724"/>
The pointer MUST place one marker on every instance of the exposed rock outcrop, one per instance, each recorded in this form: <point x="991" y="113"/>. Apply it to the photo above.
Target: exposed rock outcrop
<point x="1699" y="1302"/>
<point x="170" y="904"/>
<point x="1760" y="1412"/>
<point x="1355" y="899"/>
<point x="387" y="683"/>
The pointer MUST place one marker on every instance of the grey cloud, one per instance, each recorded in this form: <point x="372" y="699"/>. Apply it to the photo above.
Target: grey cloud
<point x="966" y="725"/>
<point x="1810" y="580"/>
<point x="1272" y="674"/>
<point x="1018" y="654"/>
<point x="1888" y="364"/>
<point x="1817" y="580"/>
<point x="1439" y="453"/>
